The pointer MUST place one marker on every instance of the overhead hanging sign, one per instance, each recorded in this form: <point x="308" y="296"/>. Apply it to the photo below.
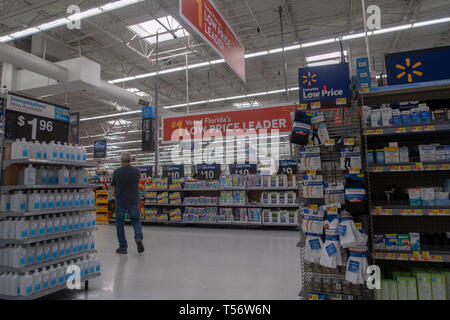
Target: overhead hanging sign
<point x="148" y="129"/>
<point x="205" y="19"/>
<point x="100" y="149"/>
<point x="35" y="120"/>
<point x="418" y="66"/>
<point x="329" y="85"/>
<point x="236" y="123"/>
<point x="74" y="132"/>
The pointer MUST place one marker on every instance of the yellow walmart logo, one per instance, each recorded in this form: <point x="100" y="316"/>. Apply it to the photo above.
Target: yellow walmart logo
<point x="310" y="79"/>
<point x="409" y="70"/>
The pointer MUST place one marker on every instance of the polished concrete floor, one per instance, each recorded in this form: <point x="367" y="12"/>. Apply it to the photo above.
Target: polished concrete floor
<point x="196" y="263"/>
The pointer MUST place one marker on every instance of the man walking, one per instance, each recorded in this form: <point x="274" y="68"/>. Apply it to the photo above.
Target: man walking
<point x="126" y="182"/>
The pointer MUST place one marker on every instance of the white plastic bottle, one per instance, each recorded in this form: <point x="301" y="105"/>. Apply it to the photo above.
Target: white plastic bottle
<point x="76" y="223"/>
<point x="37" y="150"/>
<point x="50" y="176"/>
<point x="56" y="225"/>
<point x="63" y="176"/>
<point x="83" y="154"/>
<point x="50" y="200"/>
<point x="69" y="223"/>
<point x="15" y="152"/>
<point x="62" y="248"/>
<point x="66" y="152"/>
<point x="5" y="203"/>
<point x="76" y="199"/>
<point x="53" y="151"/>
<point x="12" y="228"/>
<point x="37" y="281"/>
<point x="64" y="199"/>
<point x="49" y="225"/>
<point x="97" y="264"/>
<point x="22" y="229"/>
<point x="82" y="176"/>
<point x="91" y="241"/>
<point x="3" y="289"/>
<point x="82" y="198"/>
<point x="61" y="273"/>
<point x="78" y="153"/>
<point x="26" y="284"/>
<point x="47" y="251"/>
<point x="60" y="149"/>
<point x="14" y="285"/>
<point x="31" y="255"/>
<point x="91" y="262"/>
<point x="68" y="246"/>
<point x="18" y="257"/>
<point x="73" y="178"/>
<point x="34" y="201"/>
<point x="70" y="199"/>
<point x="18" y="202"/>
<point x="53" y="276"/>
<point x="82" y="217"/>
<point x="54" y="250"/>
<point x="39" y="254"/>
<point x="63" y="223"/>
<point x="85" y="244"/>
<point x="94" y="218"/>
<point x="58" y="199"/>
<point x="44" y="200"/>
<point x="45" y="153"/>
<point x="29" y="176"/>
<point x="42" y="226"/>
<point x="45" y="279"/>
<point x="33" y="228"/>
<point x="73" y="155"/>
<point x="42" y="175"/>
<point x="80" y="244"/>
<point x="74" y="245"/>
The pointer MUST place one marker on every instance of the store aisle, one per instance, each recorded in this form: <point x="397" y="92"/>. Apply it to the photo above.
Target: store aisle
<point x="196" y="263"/>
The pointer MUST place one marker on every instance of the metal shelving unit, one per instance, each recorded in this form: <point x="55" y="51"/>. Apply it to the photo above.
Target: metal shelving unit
<point x="87" y="164"/>
<point x="5" y="189"/>
<point x="44" y="212"/>
<point x="389" y="217"/>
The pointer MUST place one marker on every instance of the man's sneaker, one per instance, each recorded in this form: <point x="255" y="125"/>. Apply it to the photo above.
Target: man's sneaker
<point x="121" y="251"/>
<point x="140" y="246"/>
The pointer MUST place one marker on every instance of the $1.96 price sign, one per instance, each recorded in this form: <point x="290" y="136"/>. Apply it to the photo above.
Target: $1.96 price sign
<point x="35" y="120"/>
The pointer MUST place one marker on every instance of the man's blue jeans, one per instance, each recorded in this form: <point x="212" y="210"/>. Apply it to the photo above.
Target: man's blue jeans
<point x="135" y="216"/>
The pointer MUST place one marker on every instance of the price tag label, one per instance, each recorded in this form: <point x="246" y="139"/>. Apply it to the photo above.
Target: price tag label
<point x="400" y="130"/>
<point x="330" y="142"/>
<point x="358" y="225"/>
<point x="446" y="211"/>
<point x="437" y="258"/>
<point x="377" y="210"/>
<point x="341" y="101"/>
<point x="315" y="105"/>
<point x="434" y="212"/>
<point x="416" y="256"/>
<point x="313" y="297"/>
<point x="311" y="172"/>
<point x="405" y="212"/>
<point x="425" y="256"/>
<point x="313" y="206"/>
<point x="378" y="255"/>
<point x="418" y="167"/>
<point x="389" y="256"/>
<point x="417" y="129"/>
<point x="405" y="168"/>
<point x="354" y="170"/>
<point x="430" y="128"/>
<point x="349" y="142"/>
<point x="394" y="168"/>
<point x="370" y="131"/>
<point x="35" y="120"/>
<point x="332" y="210"/>
<point x="403" y="256"/>
<point x="444" y="167"/>
<point x="377" y="169"/>
<point x="430" y="167"/>
<point x="303" y="106"/>
<point x="386" y="212"/>
<point x="417" y="212"/>
<point x="379" y="131"/>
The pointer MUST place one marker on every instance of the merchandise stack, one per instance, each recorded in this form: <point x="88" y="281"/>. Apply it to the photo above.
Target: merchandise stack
<point x="333" y="224"/>
<point x="47" y="219"/>
<point x="408" y="185"/>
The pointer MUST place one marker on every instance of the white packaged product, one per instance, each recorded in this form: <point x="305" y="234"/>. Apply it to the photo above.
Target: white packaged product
<point x="376" y="120"/>
<point x="63" y="176"/>
<point x="331" y="255"/>
<point x="26" y="284"/>
<point x="18" y="202"/>
<point x="312" y="187"/>
<point x="29" y="176"/>
<point x="313" y="247"/>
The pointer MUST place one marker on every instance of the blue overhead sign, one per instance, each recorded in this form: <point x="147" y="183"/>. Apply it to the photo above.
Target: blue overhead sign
<point x="329" y="84"/>
<point x="418" y="66"/>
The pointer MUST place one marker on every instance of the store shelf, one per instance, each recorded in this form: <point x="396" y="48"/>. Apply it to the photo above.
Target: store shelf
<point x="408" y="130"/>
<point x="46" y="264"/>
<point x="435" y="211"/>
<point x="225" y="189"/>
<point x="417" y="256"/>
<point x="410" y="167"/>
<point x="5" y="189"/>
<point x="224" y="205"/>
<point x="88" y="164"/>
<point x="218" y="223"/>
<point x="4" y="242"/>
<point x="44" y="212"/>
<point x="408" y="92"/>
<point x="48" y="291"/>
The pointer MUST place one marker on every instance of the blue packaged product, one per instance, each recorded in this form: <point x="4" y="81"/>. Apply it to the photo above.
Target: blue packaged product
<point x="379" y="156"/>
<point x="406" y="117"/>
<point x="370" y="157"/>
<point x="415" y="116"/>
<point x="425" y="113"/>
<point x="396" y="117"/>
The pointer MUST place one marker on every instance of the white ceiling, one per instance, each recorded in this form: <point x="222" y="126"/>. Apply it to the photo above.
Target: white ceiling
<point x="104" y="39"/>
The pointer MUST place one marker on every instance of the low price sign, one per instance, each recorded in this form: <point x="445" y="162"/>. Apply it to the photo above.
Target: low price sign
<point x="35" y="120"/>
<point x="174" y="172"/>
<point x="208" y="171"/>
<point x="243" y="169"/>
<point x="288" y="167"/>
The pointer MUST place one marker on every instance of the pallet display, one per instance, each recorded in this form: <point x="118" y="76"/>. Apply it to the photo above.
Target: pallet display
<point x="101" y="203"/>
<point x="333" y="160"/>
<point x="408" y="176"/>
<point x="53" y="223"/>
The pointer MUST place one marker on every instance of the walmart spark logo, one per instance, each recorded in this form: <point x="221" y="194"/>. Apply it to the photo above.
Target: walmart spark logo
<point x="310" y="79"/>
<point x="409" y="70"/>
